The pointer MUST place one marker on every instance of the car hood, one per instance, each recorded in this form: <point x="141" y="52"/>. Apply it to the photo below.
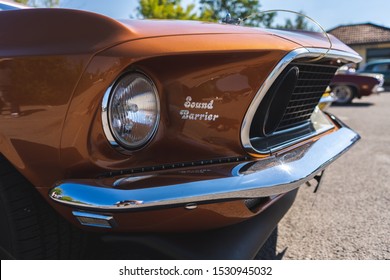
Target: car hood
<point x="62" y="33"/>
<point x="163" y="28"/>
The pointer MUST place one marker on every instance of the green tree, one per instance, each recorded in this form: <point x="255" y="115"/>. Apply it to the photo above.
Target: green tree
<point x="24" y="2"/>
<point x="300" y="23"/>
<point x="243" y="9"/>
<point x="166" y="9"/>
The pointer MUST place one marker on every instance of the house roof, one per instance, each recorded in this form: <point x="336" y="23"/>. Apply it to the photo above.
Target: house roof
<point x="365" y="33"/>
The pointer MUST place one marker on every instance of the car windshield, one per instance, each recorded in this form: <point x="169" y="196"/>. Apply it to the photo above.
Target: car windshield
<point x="4" y="7"/>
<point x="7" y="6"/>
<point x="380" y="67"/>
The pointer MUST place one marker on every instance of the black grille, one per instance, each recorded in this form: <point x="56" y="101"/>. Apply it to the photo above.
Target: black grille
<point x="311" y="84"/>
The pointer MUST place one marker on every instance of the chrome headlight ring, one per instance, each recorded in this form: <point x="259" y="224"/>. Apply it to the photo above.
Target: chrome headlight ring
<point x="131" y="111"/>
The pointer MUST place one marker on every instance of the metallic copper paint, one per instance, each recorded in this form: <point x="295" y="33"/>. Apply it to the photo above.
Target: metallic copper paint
<point x="180" y="65"/>
<point x="44" y="32"/>
<point x="68" y="65"/>
<point x="182" y="71"/>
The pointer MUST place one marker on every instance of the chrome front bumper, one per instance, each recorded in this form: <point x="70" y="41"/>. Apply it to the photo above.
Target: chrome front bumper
<point x="257" y="178"/>
<point x="378" y="89"/>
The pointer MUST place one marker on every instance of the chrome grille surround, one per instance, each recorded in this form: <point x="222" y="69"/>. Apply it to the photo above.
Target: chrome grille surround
<point x="300" y="53"/>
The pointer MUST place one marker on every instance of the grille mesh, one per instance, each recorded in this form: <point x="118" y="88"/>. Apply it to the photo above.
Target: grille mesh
<point x="312" y="82"/>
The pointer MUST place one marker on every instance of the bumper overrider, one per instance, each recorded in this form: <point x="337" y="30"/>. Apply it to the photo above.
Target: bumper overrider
<point x="272" y="176"/>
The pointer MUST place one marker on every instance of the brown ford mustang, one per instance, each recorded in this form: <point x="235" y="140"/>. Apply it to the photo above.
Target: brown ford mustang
<point x="137" y="129"/>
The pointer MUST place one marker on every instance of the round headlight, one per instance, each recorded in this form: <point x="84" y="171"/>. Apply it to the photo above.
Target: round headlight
<point x="133" y="111"/>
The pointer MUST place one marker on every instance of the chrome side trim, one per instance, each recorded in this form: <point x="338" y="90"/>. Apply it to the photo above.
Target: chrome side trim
<point x="272" y="176"/>
<point x="295" y="54"/>
<point x="106" y="126"/>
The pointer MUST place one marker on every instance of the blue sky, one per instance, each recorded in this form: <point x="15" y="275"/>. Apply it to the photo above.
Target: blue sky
<point x="329" y="13"/>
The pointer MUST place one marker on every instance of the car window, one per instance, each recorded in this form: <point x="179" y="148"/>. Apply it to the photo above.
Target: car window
<point x="380" y="67"/>
<point x="4" y="7"/>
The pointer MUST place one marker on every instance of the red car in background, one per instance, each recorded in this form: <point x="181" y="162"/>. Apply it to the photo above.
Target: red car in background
<point x="348" y="86"/>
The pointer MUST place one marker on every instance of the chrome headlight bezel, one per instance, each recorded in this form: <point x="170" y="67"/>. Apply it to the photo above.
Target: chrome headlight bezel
<point x="114" y="140"/>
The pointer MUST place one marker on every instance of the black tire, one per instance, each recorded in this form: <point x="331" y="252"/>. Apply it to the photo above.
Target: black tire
<point x="344" y="94"/>
<point x="30" y="228"/>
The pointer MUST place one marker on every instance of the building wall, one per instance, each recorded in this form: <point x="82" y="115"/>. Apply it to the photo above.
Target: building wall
<point x="362" y="50"/>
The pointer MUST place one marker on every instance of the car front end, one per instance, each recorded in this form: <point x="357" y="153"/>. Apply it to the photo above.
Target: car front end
<point x="173" y="127"/>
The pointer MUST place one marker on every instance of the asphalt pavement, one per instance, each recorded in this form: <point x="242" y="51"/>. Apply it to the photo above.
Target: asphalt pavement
<point x="349" y="218"/>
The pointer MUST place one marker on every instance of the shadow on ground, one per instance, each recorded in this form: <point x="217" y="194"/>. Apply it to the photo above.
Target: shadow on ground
<point x="360" y="104"/>
<point x="102" y="250"/>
